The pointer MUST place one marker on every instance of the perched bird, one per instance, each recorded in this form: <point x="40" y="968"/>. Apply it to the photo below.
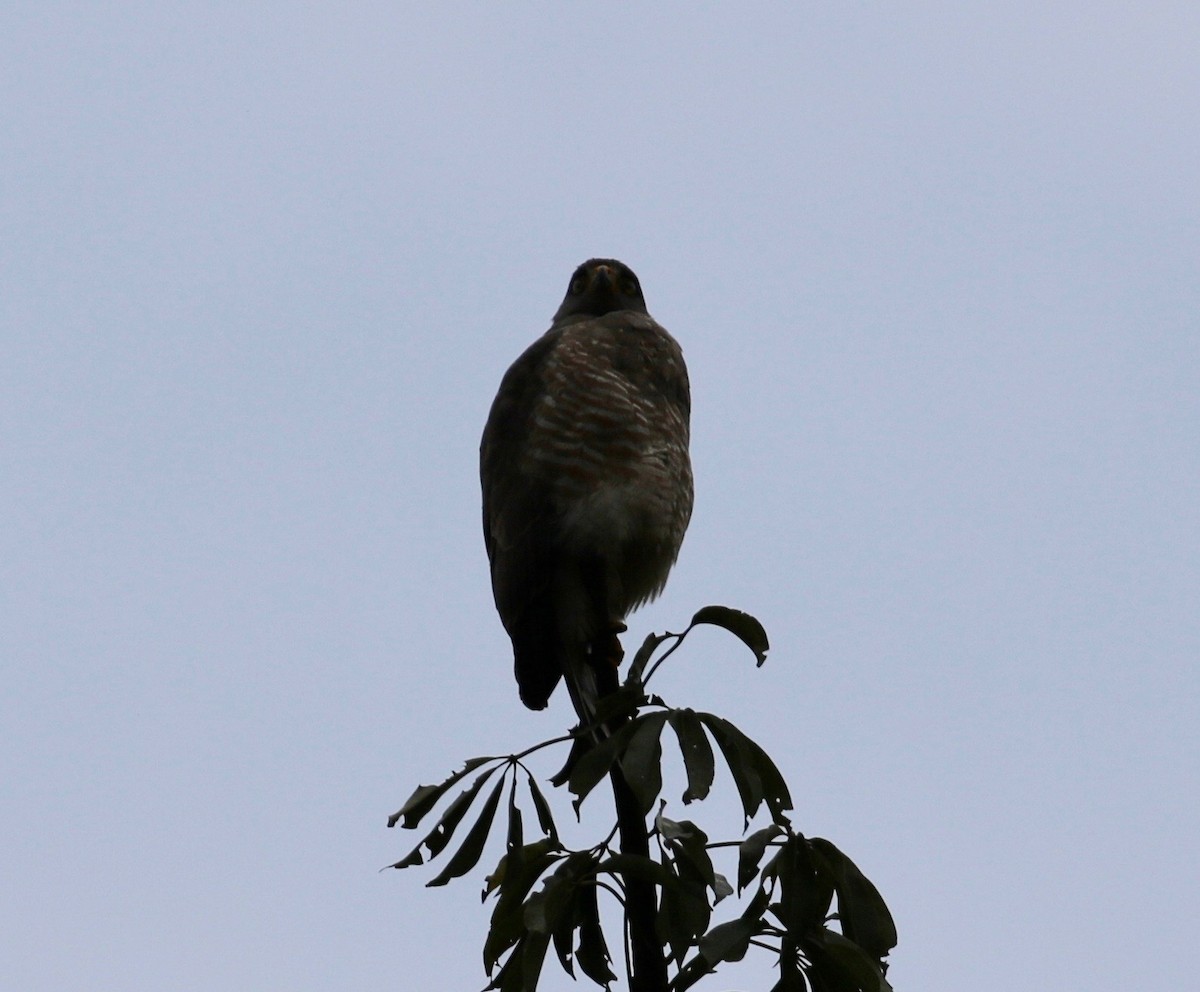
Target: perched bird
<point x="587" y="483"/>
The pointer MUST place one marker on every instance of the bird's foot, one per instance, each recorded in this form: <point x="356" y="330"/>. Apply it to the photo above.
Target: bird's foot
<point x="611" y="643"/>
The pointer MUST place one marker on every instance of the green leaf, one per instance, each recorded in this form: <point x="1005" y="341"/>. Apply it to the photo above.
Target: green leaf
<point x="514" y="883"/>
<point x="515" y="842"/>
<point x="563" y="936"/>
<point x="508" y="979"/>
<point x="757" y="907"/>
<point x="581" y="744"/>
<point x="553" y="909"/>
<point x="466" y="857"/>
<point x="594" y="765"/>
<point x="425" y="797"/>
<point x="683" y="913"/>
<point x="414" y="857"/>
<point x="863" y="914"/>
<point x="593" y="957"/>
<point x="741" y="625"/>
<point x="775" y="790"/>
<point x="440" y="836"/>
<point x="697" y="753"/>
<point x="618" y="706"/>
<point x="843" y="966"/>
<point x="612" y="710"/>
<point x="641" y="764"/>
<point x="690" y="974"/>
<point x="805" y="887"/>
<point x="672" y="829"/>
<point x="437" y="839"/>
<point x="690" y="847"/>
<point x="754" y="773"/>
<point x="555" y="895"/>
<point x="751" y="850"/>
<point x="753" y="920"/>
<point x="739" y="759"/>
<point x="533" y="956"/>
<point x="545" y="817"/>
<point x="752" y="923"/>
<point x="544" y="909"/>
<point x="643" y="656"/>
<point x="637" y="865"/>
<point x="728" y="941"/>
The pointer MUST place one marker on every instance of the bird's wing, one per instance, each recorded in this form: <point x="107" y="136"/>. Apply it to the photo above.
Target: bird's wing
<point x="517" y="527"/>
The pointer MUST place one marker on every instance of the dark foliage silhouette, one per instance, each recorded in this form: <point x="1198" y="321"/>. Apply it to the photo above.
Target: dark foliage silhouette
<point x="801" y="899"/>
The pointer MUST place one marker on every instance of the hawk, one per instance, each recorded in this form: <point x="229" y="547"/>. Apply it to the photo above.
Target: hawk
<point x="587" y="483"/>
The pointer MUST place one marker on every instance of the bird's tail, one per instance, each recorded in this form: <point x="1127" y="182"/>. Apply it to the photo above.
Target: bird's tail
<point x="590" y="672"/>
<point x="579" y="673"/>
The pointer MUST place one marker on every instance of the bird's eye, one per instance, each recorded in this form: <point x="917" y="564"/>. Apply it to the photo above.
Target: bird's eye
<point x="578" y="284"/>
<point x="629" y="286"/>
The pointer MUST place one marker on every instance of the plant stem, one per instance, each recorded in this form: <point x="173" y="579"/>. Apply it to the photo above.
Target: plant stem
<point x="641" y="906"/>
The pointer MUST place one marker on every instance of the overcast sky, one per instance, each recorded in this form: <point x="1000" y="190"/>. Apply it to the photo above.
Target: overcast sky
<point x="936" y="271"/>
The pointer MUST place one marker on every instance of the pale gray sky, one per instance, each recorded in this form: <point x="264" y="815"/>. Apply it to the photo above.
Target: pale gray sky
<point x="935" y="271"/>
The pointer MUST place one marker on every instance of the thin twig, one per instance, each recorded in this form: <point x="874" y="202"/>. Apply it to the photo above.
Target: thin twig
<point x="665" y="655"/>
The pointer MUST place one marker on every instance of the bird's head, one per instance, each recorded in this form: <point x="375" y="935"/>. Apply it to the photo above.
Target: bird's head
<point x="600" y="286"/>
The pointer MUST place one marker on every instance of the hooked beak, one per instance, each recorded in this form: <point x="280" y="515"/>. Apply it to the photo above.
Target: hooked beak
<point x="603" y="278"/>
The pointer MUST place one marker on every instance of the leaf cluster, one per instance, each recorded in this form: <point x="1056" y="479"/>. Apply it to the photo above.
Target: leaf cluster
<point x="547" y="895"/>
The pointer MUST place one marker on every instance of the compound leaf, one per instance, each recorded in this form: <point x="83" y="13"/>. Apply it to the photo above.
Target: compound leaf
<point x="467" y="856"/>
